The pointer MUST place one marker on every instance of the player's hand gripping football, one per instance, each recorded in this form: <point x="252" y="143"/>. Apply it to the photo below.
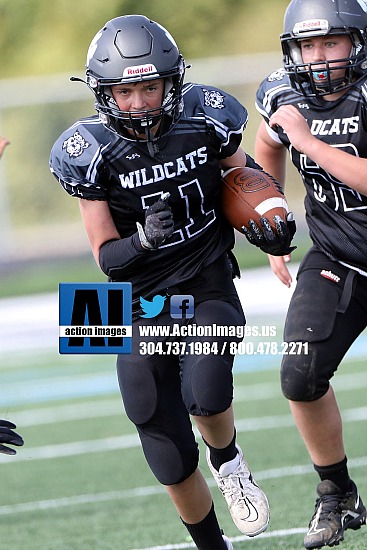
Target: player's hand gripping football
<point x="158" y="224"/>
<point x="275" y="243"/>
<point x="8" y="436"/>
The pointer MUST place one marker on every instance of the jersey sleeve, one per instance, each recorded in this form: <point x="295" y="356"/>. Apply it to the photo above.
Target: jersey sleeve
<point x="225" y="116"/>
<point x="272" y="92"/>
<point x="272" y="88"/>
<point x="76" y="161"/>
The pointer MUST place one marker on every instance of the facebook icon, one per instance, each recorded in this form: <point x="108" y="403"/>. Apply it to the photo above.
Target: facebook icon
<point x="182" y="306"/>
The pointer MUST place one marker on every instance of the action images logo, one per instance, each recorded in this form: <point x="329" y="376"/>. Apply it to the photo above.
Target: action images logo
<point x="95" y="318"/>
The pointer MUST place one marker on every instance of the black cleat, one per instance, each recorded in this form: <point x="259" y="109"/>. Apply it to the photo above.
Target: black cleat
<point x="334" y="513"/>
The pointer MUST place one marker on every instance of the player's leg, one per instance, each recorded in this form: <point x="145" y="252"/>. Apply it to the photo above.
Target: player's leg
<point x="151" y="391"/>
<point x="328" y="313"/>
<point x="191" y="497"/>
<point x="217" y="430"/>
<point x="194" y="504"/>
<point x="207" y="386"/>
<point x="313" y="319"/>
<point x="325" y="446"/>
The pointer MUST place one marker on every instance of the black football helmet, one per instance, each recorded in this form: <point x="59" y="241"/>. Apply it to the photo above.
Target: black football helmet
<point x="129" y="49"/>
<point x="311" y="18"/>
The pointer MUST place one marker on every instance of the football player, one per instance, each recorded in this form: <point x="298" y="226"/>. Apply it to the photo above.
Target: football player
<point x="147" y="173"/>
<point x="316" y="108"/>
<point x="10" y="437"/>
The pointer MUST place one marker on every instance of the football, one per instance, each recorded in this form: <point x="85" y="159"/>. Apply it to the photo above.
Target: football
<point x="249" y="194"/>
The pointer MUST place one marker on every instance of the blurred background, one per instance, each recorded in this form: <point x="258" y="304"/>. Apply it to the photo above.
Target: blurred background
<point x="231" y="44"/>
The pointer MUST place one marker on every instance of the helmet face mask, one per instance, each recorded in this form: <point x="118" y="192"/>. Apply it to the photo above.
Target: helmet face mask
<point x="312" y="18"/>
<point x="132" y="49"/>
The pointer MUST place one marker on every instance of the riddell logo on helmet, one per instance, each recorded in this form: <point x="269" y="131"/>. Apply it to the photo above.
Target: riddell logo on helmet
<point x="309" y="24"/>
<point x="140" y="69"/>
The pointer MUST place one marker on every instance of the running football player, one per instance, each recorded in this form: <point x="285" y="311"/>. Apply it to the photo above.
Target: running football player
<point x="316" y="108"/>
<point x="147" y="172"/>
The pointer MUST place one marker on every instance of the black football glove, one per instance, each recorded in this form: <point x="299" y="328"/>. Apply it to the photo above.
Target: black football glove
<point x="275" y="243"/>
<point x="8" y="436"/>
<point x="158" y="224"/>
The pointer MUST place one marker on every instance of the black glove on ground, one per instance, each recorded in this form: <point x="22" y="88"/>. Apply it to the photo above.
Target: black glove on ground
<point x="275" y="243"/>
<point x="8" y="436"/>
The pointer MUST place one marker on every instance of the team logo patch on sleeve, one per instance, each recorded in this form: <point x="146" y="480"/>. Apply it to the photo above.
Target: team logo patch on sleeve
<point x="276" y="75"/>
<point x="214" y="99"/>
<point x="75" y="145"/>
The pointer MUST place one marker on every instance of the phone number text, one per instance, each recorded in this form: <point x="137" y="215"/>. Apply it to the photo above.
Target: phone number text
<point x="215" y="348"/>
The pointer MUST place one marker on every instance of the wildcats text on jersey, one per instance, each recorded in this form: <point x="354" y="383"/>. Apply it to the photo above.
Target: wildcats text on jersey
<point x="336" y="126"/>
<point x="159" y="172"/>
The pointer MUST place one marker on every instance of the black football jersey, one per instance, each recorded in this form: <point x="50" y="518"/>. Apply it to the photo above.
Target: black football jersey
<point x="335" y="213"/>
<point x="93" y="163"/>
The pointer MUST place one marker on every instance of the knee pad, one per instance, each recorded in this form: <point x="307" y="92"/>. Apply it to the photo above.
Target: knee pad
<point x="311" y="319"/>
<point x="207" y="380"/>
<point x="300" y="378"/>
<point x="161" y="419"/>
<point x="138" y="390"/>
<point x="209" y="389"/>
<point x="171" y="459"/>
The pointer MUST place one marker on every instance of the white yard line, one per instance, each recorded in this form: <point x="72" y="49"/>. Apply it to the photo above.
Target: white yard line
<point x="77" y="500"/>
<point x="130" y="441"/>
<point x="113" y="406"/>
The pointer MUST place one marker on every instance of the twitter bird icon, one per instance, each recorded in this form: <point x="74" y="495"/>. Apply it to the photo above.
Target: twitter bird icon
<point x="153" y="308"/>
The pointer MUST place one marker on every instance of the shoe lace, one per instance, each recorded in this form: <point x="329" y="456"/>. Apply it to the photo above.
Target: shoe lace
<point x="239" y="484"/>
<point x="326" y="505"/>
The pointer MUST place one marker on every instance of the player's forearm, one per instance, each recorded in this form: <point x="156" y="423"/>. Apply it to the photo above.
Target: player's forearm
<point x="272" y="159"/>
<point x="119" y="256"/>
<point x="345" y="167"/>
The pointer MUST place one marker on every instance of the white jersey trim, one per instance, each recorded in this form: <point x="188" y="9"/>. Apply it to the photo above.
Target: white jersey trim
<point x="272" y="133"/>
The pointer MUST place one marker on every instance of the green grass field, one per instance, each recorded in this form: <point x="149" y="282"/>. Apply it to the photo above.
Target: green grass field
<point x="81" y="482"/>
<point x="44" y="275"/>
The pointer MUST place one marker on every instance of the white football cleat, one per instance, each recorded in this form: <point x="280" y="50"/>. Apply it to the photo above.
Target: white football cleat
<point x="247" y="503"/>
